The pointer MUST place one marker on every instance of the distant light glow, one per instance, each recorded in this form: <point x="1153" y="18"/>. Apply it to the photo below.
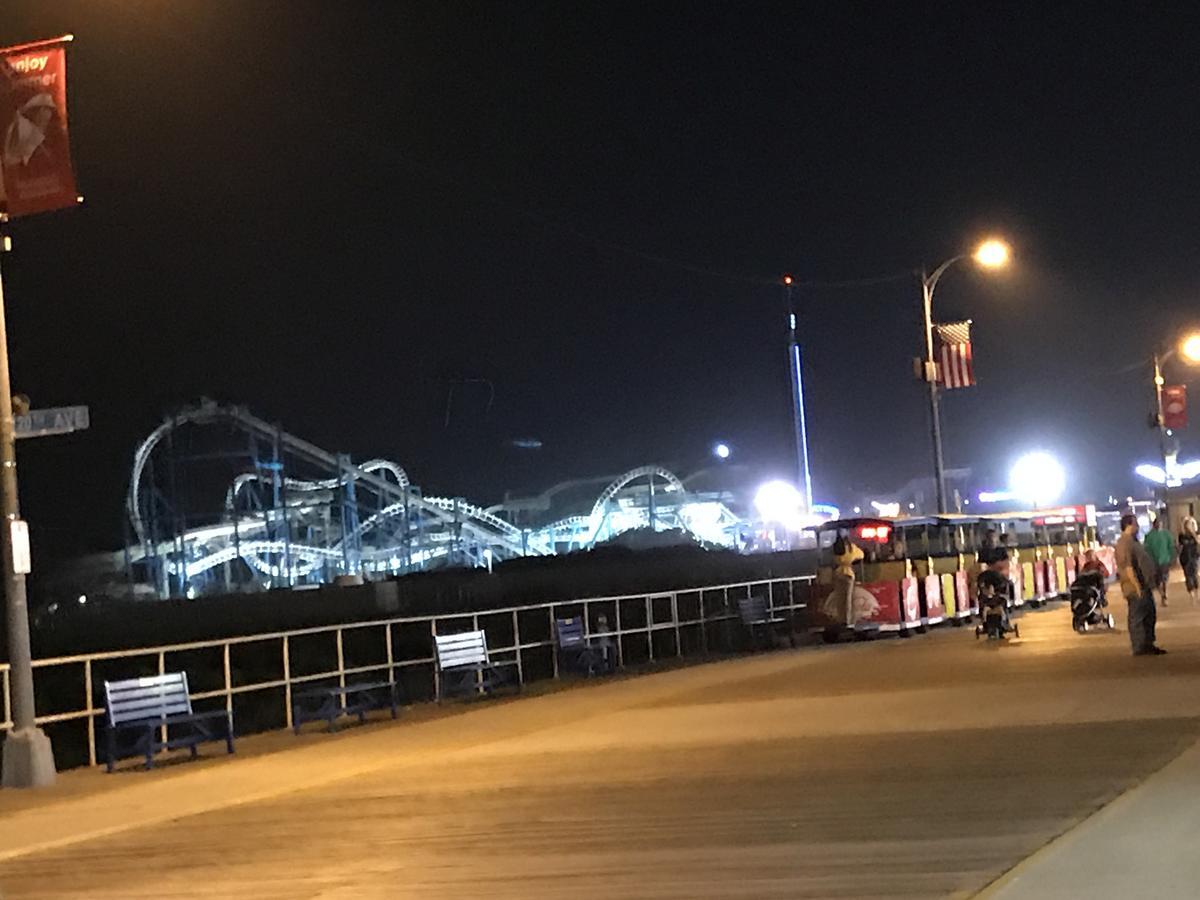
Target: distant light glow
<point x="1038" y="479"/>
<point x="1190" y="348"/>
<point x="82" y="599"/>
<point x="721" y="451"/>
<point x="857" y="510"/>
<point x="886" y="509"/>
<point x="996" y="496"/>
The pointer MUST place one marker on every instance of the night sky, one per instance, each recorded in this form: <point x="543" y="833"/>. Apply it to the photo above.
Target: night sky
<point x="330" y="212"/>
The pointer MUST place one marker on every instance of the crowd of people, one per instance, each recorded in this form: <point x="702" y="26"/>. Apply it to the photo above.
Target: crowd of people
<point x="1144" y="567"/>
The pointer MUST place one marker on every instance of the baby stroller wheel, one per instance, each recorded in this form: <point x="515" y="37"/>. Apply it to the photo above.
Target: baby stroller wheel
<point x="1016" y="630"/>
<point x="978" y="631"/>
<point x="1110" y="621"/>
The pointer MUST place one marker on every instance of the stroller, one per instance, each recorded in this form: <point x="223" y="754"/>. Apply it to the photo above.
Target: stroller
<point x="994" y="590"/>
<point x="1089" y="604"/>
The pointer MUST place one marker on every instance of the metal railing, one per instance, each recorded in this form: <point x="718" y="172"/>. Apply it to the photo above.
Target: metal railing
<point x="673" y="614"/>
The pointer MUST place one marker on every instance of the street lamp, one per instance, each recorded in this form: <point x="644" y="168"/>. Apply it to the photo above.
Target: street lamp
<point x="990" y="254"/>
<point x="1188" y="348"/>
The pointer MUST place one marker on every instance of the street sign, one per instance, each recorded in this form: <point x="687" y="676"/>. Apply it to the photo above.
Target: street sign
<point x="43" y="422"/>
<point x="19" y="529"/>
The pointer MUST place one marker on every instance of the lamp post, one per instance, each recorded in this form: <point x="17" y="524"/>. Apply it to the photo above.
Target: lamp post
<point x="27" y="758"/>
<point x="1189" y="349"/>
<point x="991" y="254"/>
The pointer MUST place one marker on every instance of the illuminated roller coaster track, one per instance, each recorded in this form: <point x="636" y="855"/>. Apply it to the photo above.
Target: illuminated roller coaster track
<point x="297" y="540"/>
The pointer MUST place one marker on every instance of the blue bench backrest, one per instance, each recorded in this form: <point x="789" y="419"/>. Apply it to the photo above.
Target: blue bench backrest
<point x="570" y="631"/>
<point x="155" y="697"/>
<point x="466" y="649"/>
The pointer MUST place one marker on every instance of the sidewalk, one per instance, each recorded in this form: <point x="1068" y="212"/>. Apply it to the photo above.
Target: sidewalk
<point x="1143" y="844"/>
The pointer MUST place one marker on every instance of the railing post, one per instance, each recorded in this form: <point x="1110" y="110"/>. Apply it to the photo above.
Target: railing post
<point x="391" y="661"/>
<point x="91" y="713"/>
<point x="287" y="681"/>
<point x="620" y="637"/>
<point x="437" y="676"/>
<point x="517" y="642"/>
<point x="341" y="659"/>
<point x="554" y="635"/>
<point x="650" y="627"/>
<point x="162" y="670"/>
<point x="703" y="622"/>
<point x="7" y="699"/>
<point x="228" y="679"/>
<point x="675" y="619"/>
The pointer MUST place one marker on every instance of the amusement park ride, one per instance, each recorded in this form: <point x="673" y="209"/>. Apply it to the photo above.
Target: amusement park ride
<point x="278" y="511"/>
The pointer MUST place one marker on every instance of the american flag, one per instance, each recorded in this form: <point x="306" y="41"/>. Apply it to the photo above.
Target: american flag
<point x="955" y="367"/>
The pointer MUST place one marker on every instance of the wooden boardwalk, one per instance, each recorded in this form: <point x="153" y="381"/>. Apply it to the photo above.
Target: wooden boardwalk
<point x="917" y="768"/>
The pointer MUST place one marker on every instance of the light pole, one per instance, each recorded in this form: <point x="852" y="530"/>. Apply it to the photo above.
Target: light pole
<point x="28" y="760"/>
<point x="799" y="426"/>
<point x="1189" y="349"/>
<point x="991" y="254"/>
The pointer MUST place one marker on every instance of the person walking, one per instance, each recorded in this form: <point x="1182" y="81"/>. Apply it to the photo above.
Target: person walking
<point x="1189" y="556"/>
<point x="1135" y="568"/>
<point x="1160" y="544"/>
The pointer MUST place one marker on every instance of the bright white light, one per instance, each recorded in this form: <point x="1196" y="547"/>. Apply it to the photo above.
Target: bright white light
<point x="826" y="511"/>
<point x="1173" y="476"/>
<point x="857" y="510"/>
<point x="778" y="501"/>
<point x="1037" y="479"/>
<point x="1152" y="473"/>
<point x="912" y="506"/>
<point x="995" y="496"/>
<point x="704" y="519"/>
<point x="191" y="593"/>
<point x="82" y="599"/>
<point x="886" y="509"/>
<point x="721" y="451"/>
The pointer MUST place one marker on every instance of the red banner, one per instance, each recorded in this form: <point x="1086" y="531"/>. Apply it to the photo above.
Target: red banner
<point x="34" y="153"/>
<point x="1174" y="404"/>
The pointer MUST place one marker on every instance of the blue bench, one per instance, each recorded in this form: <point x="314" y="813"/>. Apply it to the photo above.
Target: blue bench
<point x="466" y="668"/>
<point x="761" y="621"/>
<point x="328" y="704"/>
<point x="575" y="652"/>
<point x="147" y="706"/>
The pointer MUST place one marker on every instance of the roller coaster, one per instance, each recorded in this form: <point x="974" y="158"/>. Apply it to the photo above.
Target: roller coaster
<point x="220" y="500"/>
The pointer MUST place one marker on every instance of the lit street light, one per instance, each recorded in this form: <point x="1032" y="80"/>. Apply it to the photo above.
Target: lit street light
<point x="1189" y="349"/>
<point x="991" y="254"/>
<point x="721" y="450"/>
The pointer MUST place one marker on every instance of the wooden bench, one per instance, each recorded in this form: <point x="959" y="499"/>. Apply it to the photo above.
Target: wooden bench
<point x="147" y="706"/>
<point x="465" y="667"/>
<point x="328" y="703"/>
<point x="577" y="653"/>
<point x="761" y="621"/>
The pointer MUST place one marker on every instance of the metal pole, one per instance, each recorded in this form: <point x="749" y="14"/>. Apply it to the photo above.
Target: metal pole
<point x="803" y="473"/>
<point x="28" y="760"/>
<point x="935" y="417"/>
<point x="1161" y="422"/>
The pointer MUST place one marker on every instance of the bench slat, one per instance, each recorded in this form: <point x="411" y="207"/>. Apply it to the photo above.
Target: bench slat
<point x="148" y="681"/>
<point x="461" y="658"/>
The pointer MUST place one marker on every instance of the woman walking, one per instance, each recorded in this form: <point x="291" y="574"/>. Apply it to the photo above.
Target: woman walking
<point x="1189" y="556"/>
